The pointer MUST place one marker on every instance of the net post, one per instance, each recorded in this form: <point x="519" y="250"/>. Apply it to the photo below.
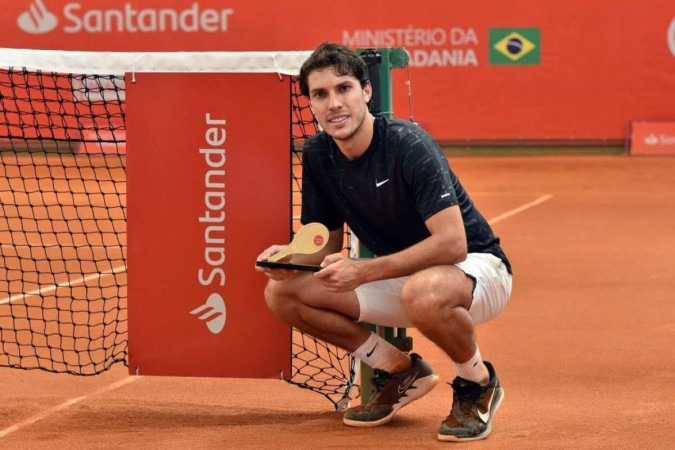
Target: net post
<point x="380" y="62"/>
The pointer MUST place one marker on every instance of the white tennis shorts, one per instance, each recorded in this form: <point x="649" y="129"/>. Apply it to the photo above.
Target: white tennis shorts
<point x="381" y="305"/>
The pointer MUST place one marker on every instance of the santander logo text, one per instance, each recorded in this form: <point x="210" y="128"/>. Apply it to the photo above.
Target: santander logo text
<point x="37" y="19"/>
<point x="127" y="19"/>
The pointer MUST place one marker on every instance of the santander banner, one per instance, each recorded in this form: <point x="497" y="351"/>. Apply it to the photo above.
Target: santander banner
<point x="75" y="18"/>
<point x="202" y="204"/>
<point x="652" y="138"/>
<point x="480" y="71"/>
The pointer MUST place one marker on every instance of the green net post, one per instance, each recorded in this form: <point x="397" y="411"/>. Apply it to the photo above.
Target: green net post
<point x="380" y="62"/>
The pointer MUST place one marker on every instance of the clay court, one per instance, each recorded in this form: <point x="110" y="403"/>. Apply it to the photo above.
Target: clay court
<point x="584" y="350"/>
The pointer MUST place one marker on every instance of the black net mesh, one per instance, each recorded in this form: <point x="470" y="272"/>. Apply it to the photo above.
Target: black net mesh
<point x="63" y="233"/>
<point x="62" y="222"/>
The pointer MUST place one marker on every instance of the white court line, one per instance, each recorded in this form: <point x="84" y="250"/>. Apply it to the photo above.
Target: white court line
<point x="130" y="379"/>
<point x="71" y="402"/>
<point x="520" y="209"/>
<point x="44" y="290"/>
<point x="53" y="287"/>
<point x="64" y="405"/>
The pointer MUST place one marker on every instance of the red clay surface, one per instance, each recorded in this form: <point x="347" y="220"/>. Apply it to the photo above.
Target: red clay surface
<point x="585" y="349"/>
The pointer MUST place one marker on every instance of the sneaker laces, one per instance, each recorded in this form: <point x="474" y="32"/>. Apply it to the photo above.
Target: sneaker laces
<point x="466" y="393"/>
<point x="380" y="378"/>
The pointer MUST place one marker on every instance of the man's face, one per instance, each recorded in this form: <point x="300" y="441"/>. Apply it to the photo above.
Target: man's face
<point x="338" y="102"/>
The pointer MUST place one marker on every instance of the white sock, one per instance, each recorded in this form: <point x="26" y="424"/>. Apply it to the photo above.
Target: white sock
<point x="473" y="369"/>
<point x="380" y="354"/>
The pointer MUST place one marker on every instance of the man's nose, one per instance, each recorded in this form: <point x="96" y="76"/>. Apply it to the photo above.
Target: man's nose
<point x="334" y="100"/>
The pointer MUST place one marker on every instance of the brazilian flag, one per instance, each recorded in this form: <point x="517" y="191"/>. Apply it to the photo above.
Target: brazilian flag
<point x="514" y="45"/>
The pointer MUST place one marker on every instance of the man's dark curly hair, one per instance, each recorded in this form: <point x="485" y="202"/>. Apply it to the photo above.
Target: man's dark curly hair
<point x="343" y="60"/>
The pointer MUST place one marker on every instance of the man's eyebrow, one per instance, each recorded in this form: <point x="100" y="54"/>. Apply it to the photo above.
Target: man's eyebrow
<point x="339" y="85"/>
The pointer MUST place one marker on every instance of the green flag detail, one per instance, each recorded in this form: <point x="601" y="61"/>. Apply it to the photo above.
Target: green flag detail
<point x="514" y="45"/>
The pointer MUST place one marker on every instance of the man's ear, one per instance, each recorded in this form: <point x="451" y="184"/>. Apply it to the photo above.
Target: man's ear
<point x="368" y="90"/>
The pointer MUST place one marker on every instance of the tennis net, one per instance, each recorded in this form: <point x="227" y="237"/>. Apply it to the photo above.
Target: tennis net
<point x="63" y="229"/>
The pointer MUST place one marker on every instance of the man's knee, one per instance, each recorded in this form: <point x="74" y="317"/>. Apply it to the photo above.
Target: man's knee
<point x="432" y="291"/>
<point x="280" y="298"/>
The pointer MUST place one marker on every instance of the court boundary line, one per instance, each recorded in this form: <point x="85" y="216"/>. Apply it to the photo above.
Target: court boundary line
<point x="67" y="404"/>
<point x="526" y="206"/>
<point x="54" y="287"/>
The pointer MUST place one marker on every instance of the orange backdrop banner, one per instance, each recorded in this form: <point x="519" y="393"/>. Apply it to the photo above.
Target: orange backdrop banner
<point x="519" y="70"/>
<point x="208" y="190"/>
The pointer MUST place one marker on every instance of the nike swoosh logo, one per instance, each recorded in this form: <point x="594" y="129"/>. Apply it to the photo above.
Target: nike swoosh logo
<point x="486" y="415"/>
<point x="445" y="195"/>
<point x="371" y="352"/>
<point x="407" y="382"/>
<point x="380" y="183"/>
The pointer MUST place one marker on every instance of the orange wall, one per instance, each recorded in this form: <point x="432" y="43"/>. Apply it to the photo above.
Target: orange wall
<point x="601" y="64"/>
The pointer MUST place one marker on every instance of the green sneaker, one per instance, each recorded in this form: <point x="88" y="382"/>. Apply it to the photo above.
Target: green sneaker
<point x="473" y="407"/>
<point x="392" y="392"/>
